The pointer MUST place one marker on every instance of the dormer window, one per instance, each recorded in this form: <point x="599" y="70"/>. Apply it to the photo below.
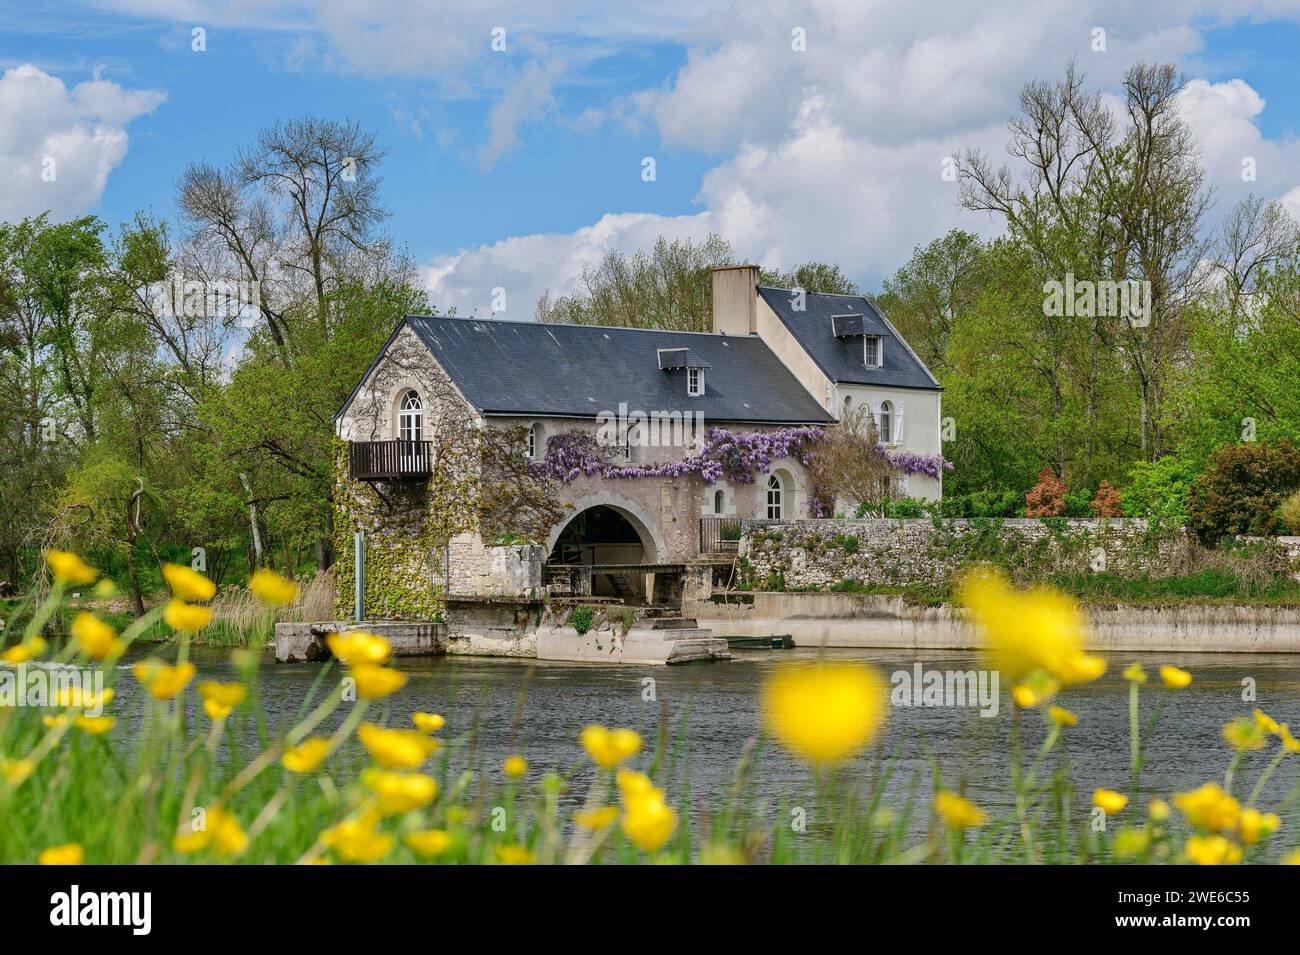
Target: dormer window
<point x="695" y="382"/>
<point x="873" y="352"/>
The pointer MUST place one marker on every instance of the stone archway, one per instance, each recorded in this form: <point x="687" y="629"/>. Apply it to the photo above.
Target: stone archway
<point x="654" y="547"/>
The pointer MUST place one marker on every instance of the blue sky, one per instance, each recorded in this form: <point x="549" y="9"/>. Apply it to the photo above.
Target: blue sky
<point x="514" y="168"/>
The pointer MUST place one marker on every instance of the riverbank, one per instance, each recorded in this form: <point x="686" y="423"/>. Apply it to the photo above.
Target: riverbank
<point x="892" y="621"/>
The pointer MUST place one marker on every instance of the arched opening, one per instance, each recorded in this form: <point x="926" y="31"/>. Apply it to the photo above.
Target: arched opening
<point x="886" y="423"/>
<point x="606" y="537"/>
<point x="775" y="498"/>
<point x="410" y="417"/>
<point x="719" y="502"/>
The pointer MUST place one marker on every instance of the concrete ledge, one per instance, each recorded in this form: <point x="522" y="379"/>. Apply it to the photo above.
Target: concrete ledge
<point x="640" y="645"/>
<point x="861" y="620"/>
<point x="305" y="642"/>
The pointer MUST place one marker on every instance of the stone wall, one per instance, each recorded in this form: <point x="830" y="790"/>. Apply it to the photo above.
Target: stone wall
<point x="817" y="555"/>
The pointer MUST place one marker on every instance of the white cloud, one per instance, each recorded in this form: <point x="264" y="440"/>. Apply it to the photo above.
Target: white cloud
<point x="58" y="145"/>
<point x="836" y="153"/>
<point x="526" y="266"/>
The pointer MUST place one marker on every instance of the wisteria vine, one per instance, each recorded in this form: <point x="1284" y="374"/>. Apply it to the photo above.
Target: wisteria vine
<point x="736" y="457"/>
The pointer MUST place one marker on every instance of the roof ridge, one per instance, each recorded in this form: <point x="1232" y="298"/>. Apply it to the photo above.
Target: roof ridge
<point x="617" y="328"/>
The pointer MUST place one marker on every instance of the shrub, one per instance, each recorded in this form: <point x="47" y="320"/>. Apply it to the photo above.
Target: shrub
<point x="1290" y="512"/>
<point x="1047" y="497"/>
<point x="1242" y="491"/>
<point x="581" y="619"/>
<point x="1076" y="504"/>
<point x="1106" y="502"/>
<point x="1157" y="490"/>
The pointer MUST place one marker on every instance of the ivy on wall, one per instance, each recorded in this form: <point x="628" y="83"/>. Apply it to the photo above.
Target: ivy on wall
<point x="405" y="537"/>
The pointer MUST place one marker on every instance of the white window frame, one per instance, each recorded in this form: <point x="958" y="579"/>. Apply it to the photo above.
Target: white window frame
<point x="410" y="417"/>
<point x="879" y="356"/>
<point x="775" y="498"/>
<point x="694" y="382"/>
<point x="886" y="423"/>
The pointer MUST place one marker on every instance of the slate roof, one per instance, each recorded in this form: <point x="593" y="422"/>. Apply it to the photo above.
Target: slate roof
<point x="840" y="359"/>
<point x="533" y="368"/>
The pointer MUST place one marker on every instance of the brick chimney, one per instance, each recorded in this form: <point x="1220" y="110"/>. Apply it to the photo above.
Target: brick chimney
<point x="735" y="301"/>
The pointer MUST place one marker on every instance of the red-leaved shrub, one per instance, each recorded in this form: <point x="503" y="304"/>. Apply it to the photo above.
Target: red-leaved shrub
<point x="1047" y="497"/>
<point x="1106" y="502"/>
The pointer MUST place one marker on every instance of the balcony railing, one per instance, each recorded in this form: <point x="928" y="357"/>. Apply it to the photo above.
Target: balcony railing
<point x="390" y="460"/>
<point x="719" y="535"/>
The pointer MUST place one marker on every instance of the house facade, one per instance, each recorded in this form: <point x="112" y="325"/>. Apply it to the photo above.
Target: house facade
<point x="658" y="438"/>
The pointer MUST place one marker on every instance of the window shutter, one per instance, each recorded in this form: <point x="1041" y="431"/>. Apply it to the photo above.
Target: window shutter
<point x="898" y="422"/>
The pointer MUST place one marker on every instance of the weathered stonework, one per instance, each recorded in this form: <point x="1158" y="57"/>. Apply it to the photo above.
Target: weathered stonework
<point x="818" y="555"/>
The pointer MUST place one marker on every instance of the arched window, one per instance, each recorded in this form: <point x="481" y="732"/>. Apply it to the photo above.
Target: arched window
<point x="848" y="402"/>
<point x="775" y="493"/>
<point x="719" y="502"/>
<point x="410" y="417"/>
<point x="886" y="422"/>
<point x="534" y="441"/>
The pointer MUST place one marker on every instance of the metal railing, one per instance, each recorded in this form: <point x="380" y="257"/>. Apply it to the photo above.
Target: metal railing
<point x="390" y="460"/>
<point x="719" y="535"/>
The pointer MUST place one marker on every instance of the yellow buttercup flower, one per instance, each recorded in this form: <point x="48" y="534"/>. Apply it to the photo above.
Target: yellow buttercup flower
<point x="1130" y="842"/>
<point x="826" y="712"/>
<point x="1024" y="631"/>
<point x="29" y="649"/>
<point x="647" y="820"/>
<point x="188" y="584"/>
<point x="1034" y="689"/>
<point x="400" y="792"/>
<point x="68" y="568"/>
<point x="221" y="832"/>
<point x="631" y="783"/>
<point x="428" y="843"/>
<point x="957" y="811"/>
<point x="1255" y="825"/>
<point x="396" y="748"/>
<point x="95" y="638"/>
<point x="220" y="698"/>
<point x="306" y="756"/>
<point x="428" y="722"/>
<point x="1289" y="743"/>
<point x="15" y="771"/>
<point x="514" y="855"/>
<point x="1244" y="734"/>
<point x="270" y="588"/>
<point x="358" y="647"/>
<point x="1209" y="807"/>
<point x="1158" y="809"/>
<point x="358" y="840"/>
<point x="71" y="854"/>
<point x="1291" y="858"/>
<point x="514" y="766"/>
<point x="1134" y="673"/>
<point x="95" y="725"/>
<point x="376" y="682"/>
<point x="596" y="818"/>
<point x="1212" y="850"/>
<point x="1266" y="722"/>
<point x="1109" y="801"/>
<point x="161" y="680"/>
<point x="1174" y="678"/>
<point x="105" y="589"/>
<point x="188" y="618"/>
<point x="74" y="697"/>
<point x="1061" y="716"/>
<point x="609" y="748"/>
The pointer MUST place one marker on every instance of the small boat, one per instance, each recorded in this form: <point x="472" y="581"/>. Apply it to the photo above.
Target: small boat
<point x="779" y="641"/>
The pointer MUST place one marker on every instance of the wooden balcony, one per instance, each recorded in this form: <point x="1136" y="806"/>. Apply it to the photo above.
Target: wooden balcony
<point x="390" y="460"/>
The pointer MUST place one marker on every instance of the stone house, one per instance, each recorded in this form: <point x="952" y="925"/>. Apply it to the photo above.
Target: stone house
<point x="661" y="404"/>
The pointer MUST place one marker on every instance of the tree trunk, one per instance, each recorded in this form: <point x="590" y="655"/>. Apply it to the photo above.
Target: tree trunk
<point x="253" y="527"/>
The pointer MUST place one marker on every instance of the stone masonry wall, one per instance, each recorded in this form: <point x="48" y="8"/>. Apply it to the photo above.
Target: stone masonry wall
<point x="819" y="554"/>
